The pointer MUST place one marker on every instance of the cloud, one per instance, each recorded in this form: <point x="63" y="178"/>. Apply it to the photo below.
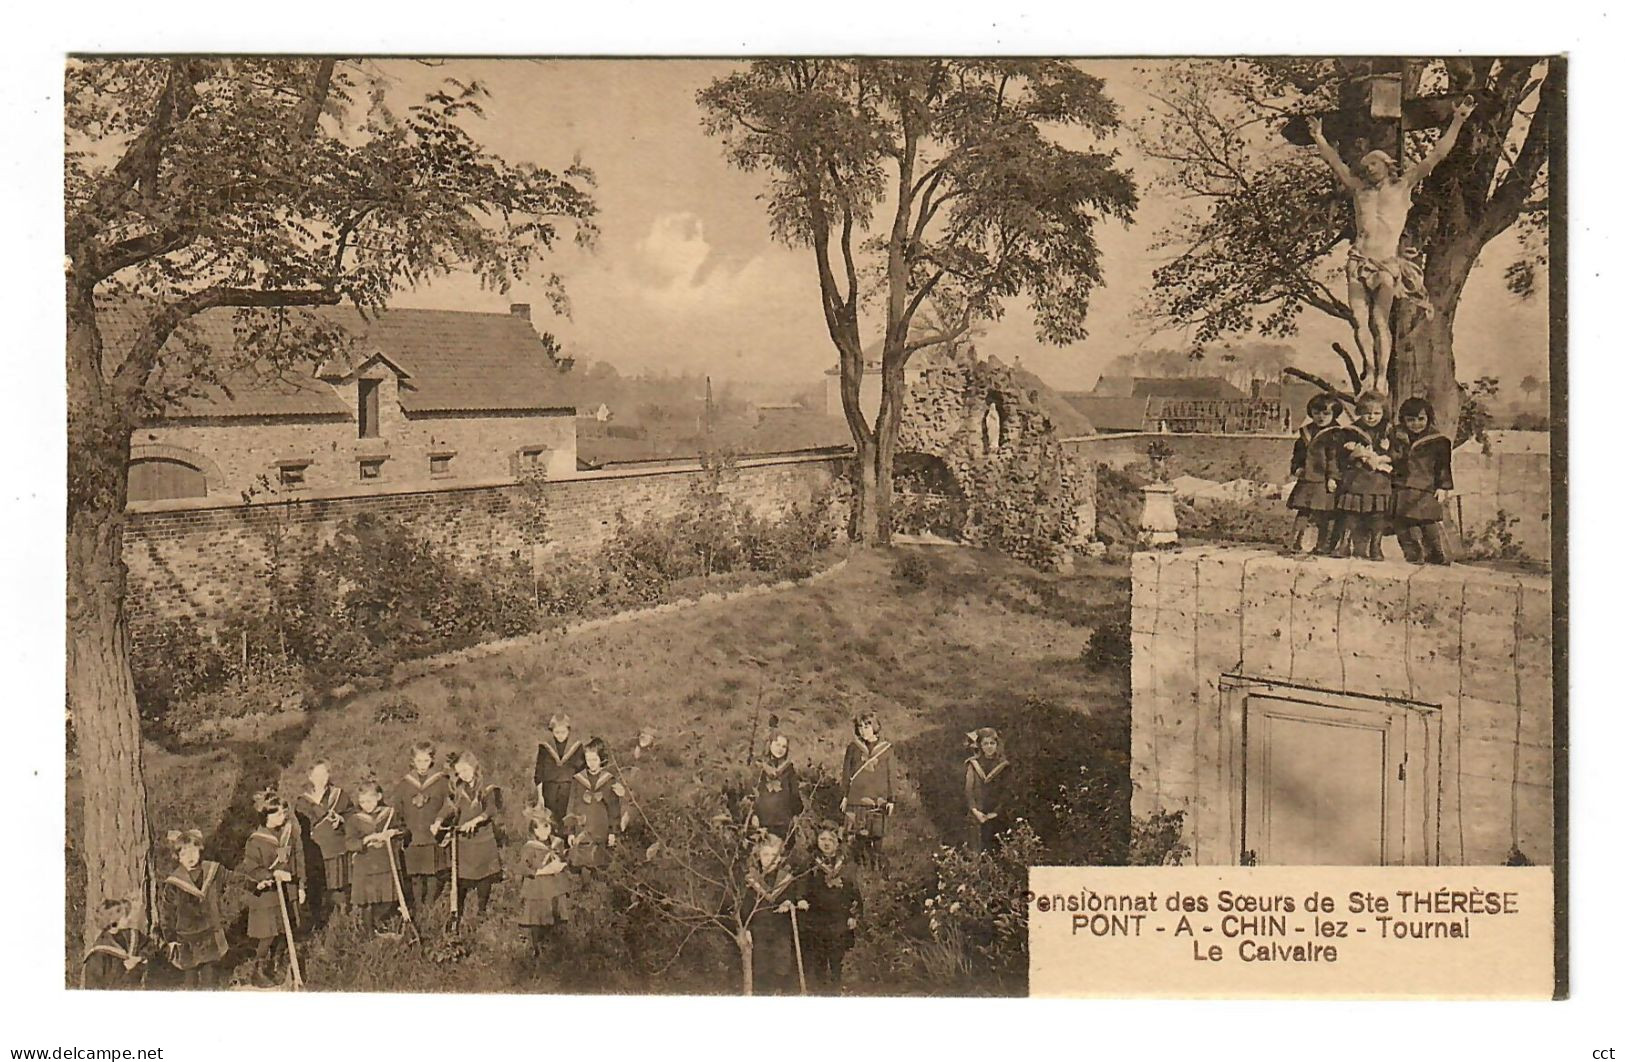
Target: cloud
<point x="676" y="270"/>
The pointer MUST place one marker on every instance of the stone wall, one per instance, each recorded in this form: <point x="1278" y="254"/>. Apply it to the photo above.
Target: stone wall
<point x="1518" y="484"/>
<point x="1469" y="648"/>
<point x="1196" y="454"/>
<point x="201" y="558"/>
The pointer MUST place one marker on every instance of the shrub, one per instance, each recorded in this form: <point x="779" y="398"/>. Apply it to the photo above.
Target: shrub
<point x="1109" y="647"/>
<point x="1158" y="840"/>
<point x="1493" y="541"/>
<point x="977" y="907"/>
<point x="912" y="569"/>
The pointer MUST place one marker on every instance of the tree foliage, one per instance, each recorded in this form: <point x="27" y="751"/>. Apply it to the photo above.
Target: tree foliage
<point x="265" y="185"/>
<point x="1252" y="251"/>
<point x="930" y="181"/>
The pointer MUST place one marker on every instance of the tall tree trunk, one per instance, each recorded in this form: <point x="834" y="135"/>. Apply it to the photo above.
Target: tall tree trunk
<point x="115" y="842"/>
<point x="1424" y="357"/>
<point x="866" y="528"/>
<point x="887" y="426"/>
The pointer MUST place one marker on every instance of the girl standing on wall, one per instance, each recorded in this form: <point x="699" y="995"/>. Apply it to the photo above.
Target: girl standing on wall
<point x="1421" y="478"/>
<point x="1363" y="477"/>
<point x="1312" y="457"/>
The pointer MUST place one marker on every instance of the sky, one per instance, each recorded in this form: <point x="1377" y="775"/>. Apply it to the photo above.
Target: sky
<point x="686" y="277"/>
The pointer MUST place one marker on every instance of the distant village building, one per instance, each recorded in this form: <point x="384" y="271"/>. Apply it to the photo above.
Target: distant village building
<point x="600" y="413"/>
<point x="869" y="388"/>
<point x="1186" y="404"/>
<point x="425" y="398"/>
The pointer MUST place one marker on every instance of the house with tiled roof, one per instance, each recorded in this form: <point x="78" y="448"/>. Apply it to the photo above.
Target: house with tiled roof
<point x="421" y="399"/>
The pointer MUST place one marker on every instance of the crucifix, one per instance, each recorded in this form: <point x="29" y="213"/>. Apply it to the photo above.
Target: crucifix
<point x="1375" y="116"/>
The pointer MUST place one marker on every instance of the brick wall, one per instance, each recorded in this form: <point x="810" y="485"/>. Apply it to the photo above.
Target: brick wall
<point x="1471" y="647"/>
<point x="200" y="559"/>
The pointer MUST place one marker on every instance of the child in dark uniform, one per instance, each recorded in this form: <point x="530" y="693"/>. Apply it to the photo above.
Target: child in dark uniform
<point x="470" y="805"/>
<point x="1363" y="477"/>
<point x="118" y="957"/>
<point x="189" y="911"/>
<point x="594" y="812"/>
<point x="1315" y="505"/>
<point x="370" y="834"/>
<point x="323" y="807"/>
<point x="274" y="864"/>
<point x="776" y="891"/>
<point x="985" y="773"/>
<point x="548" y="881"/>
<point x="419" y="800"/>
<point x="833" y="905"/>
<point x="778" y="792"/>
<point x="1421" y="477"/>
<point x="867" y="797"/>
<point x="558" y="757"/>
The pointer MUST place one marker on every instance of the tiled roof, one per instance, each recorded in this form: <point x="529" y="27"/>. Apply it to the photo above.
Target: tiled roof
<point x="1111" y="413"/>
<point x="453" y="360"/>
<point x="1185" y="387"/>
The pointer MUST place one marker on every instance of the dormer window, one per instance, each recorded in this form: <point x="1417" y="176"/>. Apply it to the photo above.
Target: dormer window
<point x="367" y="407"/>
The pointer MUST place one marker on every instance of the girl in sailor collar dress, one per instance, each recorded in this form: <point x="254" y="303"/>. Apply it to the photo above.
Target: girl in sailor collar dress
<point x="548" y="881"/>
<point x="1363" y="477"/>
<point x="274" y="863"/>
<point x="558" y="757"/>
<point x="985" y="774"/>
<point x="470" y="805"/>
<point x="776" y="890"/>
<point x="1421" y="478"/>
<point x="778" y="793"/>
<point x="1312" y="455"/>
<point x="419" y="800"/>
<point x="594" y="811"/>
<point x="189" y="911"/>
<point x="370" y="834"/>
<point x="867" y="797"/>
<point x="323" y="807"/>
<point x="833" y="905"/>
<point x="118" y="958"/>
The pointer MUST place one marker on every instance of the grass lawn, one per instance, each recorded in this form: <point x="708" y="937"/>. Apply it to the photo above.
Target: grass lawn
<point x="984" y="640"/>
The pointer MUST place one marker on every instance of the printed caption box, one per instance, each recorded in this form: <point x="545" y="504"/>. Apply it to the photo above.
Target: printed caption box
<point x="1342" y="932"/>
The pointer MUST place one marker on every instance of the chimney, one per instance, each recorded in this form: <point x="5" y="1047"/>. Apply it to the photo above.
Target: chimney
<point x="520" y="309"/>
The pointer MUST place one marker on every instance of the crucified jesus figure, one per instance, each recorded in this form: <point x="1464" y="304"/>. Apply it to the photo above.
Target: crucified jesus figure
<point x="1378" y="271"/>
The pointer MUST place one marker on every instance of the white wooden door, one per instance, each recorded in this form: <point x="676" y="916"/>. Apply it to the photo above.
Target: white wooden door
<point x="1335" y="780"/>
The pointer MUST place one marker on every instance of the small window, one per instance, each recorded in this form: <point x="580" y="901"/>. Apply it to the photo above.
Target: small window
<point x="439" y="464"/>
<point x="367" y="408"/>
<point x="372" y="469"/>
<point x="291" y="475"/>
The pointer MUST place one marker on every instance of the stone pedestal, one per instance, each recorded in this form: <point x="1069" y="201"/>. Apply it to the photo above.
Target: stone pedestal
<point x="1158" y="524"/>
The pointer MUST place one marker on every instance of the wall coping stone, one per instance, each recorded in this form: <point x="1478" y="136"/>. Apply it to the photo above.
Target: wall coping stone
<point x="170" y="505"/>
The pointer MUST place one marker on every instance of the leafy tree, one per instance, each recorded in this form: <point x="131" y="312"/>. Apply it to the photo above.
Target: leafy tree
<point x="1254" y="251"/>
<point x="264" y="185"/>
<point x="926" y="181"/>
<point x="1476" y="418"/>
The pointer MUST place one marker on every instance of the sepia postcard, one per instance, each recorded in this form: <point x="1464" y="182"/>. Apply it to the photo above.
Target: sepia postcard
<point x="817" y="526"/>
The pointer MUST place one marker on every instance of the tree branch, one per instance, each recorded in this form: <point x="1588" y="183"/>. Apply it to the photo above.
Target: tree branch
<point x="1318" y="382"/>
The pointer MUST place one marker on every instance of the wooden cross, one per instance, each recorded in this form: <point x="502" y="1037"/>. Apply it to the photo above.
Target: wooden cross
<point x="1373" y="112"/>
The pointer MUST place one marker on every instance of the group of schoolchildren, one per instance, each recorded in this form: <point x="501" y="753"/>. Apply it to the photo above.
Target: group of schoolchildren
<point x="1360" y="481"/>
<point x="391" y="855"/>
